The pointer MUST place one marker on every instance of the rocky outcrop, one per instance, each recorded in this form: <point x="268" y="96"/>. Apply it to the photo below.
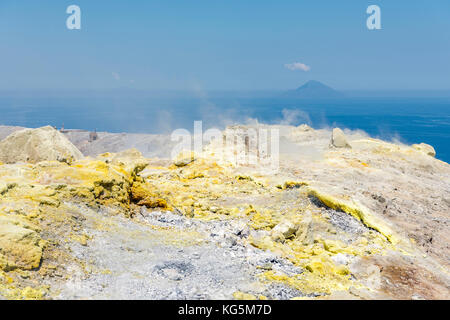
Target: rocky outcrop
<point x="425" y="148"/>
<point x="284" y="230"/>
<point x="20" y="244"/>
<point x="35" y="145"/>
<point x="338" y="139"/>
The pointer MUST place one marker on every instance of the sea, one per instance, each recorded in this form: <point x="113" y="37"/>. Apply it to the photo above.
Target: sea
<point x="405" y="120"/>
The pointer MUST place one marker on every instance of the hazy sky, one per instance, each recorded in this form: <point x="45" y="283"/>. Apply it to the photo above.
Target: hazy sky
<point x="224" y="45"/>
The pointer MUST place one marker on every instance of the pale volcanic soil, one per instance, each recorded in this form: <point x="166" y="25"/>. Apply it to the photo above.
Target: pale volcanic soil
<point x="366" y="221"/>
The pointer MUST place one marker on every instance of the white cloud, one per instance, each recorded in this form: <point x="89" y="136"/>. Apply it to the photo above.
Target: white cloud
<point x="116" y="76"/>
<point x="297" y="66"/>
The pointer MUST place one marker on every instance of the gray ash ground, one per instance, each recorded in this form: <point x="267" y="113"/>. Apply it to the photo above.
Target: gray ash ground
<point x="346" y="222"/>
<point x="342" y="220"/>
<point x="130" y="260"/>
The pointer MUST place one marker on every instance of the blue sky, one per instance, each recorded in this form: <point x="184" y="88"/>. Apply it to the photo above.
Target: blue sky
<point x="224" y="45"/>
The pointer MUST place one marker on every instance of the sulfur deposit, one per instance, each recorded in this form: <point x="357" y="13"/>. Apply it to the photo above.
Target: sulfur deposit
<point x="35" y="145"/>
<point x="366" y="222"/>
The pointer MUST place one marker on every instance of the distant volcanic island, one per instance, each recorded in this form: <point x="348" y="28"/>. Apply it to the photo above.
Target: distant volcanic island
<point x="314" y="90"/>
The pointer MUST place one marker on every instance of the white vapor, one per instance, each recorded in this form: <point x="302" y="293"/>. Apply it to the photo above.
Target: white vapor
<point x="295" y="117"/>
<point x="297" y="66"/>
